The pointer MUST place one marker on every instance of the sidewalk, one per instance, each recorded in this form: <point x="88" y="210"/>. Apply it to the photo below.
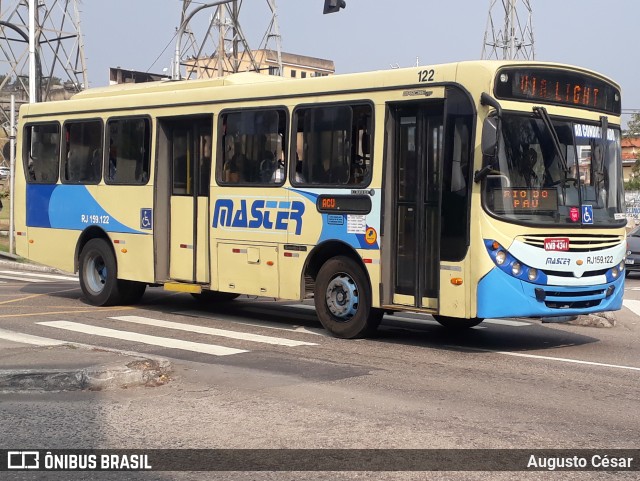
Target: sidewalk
<point x="34" y="364"/>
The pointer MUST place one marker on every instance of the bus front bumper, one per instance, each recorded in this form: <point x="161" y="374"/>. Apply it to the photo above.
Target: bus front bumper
<point x="500" y="295"/>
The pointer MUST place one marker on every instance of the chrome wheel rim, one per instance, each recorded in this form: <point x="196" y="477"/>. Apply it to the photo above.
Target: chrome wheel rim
<point x="342" y="297"/>
<point x="95" y="273"/>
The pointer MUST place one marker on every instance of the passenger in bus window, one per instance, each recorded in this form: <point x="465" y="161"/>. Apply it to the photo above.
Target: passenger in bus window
<point x="233" y="167"/>
<point x="113" y="160"/>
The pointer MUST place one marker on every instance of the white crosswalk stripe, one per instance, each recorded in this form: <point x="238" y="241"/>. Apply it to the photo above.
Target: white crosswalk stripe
<point x="37" y="275"/>
<point x="170" y="343"/>
<point x="245" y="336"/>
<point x="21" y="278"/>
<point x="426" y="320"/>
<point x="29" y="339"/>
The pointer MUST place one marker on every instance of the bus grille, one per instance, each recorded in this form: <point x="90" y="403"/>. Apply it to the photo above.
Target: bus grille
<point x="573" y="300"/>
<point x="577" y="242"/>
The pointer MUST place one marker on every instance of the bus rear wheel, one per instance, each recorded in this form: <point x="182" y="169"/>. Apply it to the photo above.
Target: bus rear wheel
<point x="457" y="322"/>
<point x="98" y="274"/>
<point x="343" y="299"/>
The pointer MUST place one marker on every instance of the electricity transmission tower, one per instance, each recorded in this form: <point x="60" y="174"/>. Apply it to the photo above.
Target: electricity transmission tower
<point x="513" y="39"/>
<point x="224" y="48"/>
<point x="61" y="68"/>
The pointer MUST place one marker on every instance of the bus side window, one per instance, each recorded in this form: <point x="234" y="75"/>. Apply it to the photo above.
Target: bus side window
<point x="82" y="163"/>
<point x="332" y="145"/>
<point x="128" y="153"/>
<point x="42" y="152"/>
<point x="251" y="150"/>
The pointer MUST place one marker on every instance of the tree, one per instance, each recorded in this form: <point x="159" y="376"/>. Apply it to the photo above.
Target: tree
<point x="633" y="127"/>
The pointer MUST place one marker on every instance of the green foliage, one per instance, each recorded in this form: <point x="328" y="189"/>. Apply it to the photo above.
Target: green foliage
<point x="634" y="181"/>
<point x="633" y="127"/>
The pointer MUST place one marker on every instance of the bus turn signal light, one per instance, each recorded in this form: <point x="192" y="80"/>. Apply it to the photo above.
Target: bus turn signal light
<point x="456" y="281"/>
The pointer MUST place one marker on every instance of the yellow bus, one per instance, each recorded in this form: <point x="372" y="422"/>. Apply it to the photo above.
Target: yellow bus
<point x="467" y="191"/>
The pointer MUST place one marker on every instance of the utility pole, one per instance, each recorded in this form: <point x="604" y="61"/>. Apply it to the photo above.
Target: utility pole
<point x="223" y="48"/>
<point x="41" y="53"/>
<point x="513" y="39"/>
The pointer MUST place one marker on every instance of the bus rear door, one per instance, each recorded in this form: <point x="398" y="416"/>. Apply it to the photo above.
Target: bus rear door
<point x="185" y="148"/>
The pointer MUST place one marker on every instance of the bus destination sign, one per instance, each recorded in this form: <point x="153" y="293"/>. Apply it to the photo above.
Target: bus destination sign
<point x="526" y="200"/>
<point x="554" y="86"/>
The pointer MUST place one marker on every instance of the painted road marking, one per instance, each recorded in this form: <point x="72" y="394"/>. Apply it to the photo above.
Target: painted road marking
<point x="632" y="305"/>
<point x="500" y="322"/>
<point x="244" y="336"/>
<point x="22" y="279"/>
<point x="56" y="277"/>
<point x="550" y="358"/>
<point x="212" y="349"/>
<point x="29" y="339"/>
<point x="264" y="324"/>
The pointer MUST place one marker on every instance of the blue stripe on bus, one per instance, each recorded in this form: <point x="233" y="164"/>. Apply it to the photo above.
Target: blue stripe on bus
<point x="501" y="295"/>
<point x="334" y="230"/>
<point x="69" y="207"/>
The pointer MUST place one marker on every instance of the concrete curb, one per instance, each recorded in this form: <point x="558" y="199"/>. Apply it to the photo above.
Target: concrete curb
<point x="9" y="261"/>
<point x="137" y="370"/>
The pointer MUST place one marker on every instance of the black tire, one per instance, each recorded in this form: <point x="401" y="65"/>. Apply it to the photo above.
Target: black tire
<point x="457" y="322"/>
<point x="342" y="298"/>
<point x="131" y="291"/>
<point x="215" y="296"/>
<point x="99" y="274"/>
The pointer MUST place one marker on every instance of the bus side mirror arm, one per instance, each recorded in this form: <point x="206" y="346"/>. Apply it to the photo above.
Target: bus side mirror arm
<point x="490" y="136"/>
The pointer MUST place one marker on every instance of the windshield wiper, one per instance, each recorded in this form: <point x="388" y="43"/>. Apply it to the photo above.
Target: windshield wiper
<point x="546" y="120"/>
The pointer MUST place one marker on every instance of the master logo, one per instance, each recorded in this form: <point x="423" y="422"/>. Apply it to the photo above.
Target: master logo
<point x="258" y="214"/>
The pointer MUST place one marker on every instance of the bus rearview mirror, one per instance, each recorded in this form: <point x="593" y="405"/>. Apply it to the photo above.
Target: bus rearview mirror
<point x="490" y="136"/>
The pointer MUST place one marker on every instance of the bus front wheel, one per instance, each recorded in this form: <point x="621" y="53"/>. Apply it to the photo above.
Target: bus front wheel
<point x="343" y="299"/>
<point x="457" y="322"/>
<point x="98" y="274"/>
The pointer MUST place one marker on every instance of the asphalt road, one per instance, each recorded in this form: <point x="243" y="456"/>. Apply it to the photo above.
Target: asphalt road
<point x="256" y="373"/>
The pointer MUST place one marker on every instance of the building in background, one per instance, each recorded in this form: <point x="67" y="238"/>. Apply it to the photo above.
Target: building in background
<point x="630" y="151"/>
<point x="294" y="66"/>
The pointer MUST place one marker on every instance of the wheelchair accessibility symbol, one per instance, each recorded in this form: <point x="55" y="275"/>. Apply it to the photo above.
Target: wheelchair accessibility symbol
<point x="146" y="219"/>
<point x="587" y="214"/>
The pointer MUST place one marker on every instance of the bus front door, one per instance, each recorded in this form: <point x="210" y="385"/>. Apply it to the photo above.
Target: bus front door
<point x="417" y="135"/>
<point x="189" y="157"/>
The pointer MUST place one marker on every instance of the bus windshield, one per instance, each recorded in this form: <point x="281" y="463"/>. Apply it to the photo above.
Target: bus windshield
<point x="558" y="172"/>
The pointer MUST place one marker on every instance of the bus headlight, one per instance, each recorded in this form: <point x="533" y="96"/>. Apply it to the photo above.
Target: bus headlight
<point x="516" y="268"/>
<point x="621" y="266"/>
<point x="614" y="272"/>
<point x="501" y="256"/>
<point x="533" y="274"/>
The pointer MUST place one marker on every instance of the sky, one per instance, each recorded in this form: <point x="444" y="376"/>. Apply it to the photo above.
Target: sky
<point x="374" y="34"/>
